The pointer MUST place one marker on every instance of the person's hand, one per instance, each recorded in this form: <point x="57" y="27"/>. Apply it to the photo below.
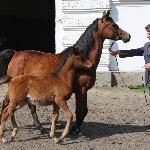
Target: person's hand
<point x="114" y="53"/>
<point x="147" y="66"/>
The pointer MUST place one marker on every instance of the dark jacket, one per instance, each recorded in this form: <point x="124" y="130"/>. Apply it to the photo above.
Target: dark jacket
<point x="143" y="51"/>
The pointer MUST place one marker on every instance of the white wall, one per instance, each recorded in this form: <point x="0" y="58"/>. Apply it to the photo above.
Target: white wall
<point x="132" y="17"/>
<point x="59" y="32"/>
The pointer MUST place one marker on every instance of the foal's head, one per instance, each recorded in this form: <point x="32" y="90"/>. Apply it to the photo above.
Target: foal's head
<point x="110" y="30"/>
<point x="72" y="57"/>
<point x="78" y="60"/>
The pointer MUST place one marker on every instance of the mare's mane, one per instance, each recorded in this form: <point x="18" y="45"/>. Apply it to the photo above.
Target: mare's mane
<point x="84" y="44"/>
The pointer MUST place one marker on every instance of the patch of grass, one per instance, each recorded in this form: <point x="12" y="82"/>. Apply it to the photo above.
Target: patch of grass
<point x="138" y="88"/>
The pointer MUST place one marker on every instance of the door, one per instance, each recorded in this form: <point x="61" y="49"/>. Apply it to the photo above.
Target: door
<point x="28" y="24"/>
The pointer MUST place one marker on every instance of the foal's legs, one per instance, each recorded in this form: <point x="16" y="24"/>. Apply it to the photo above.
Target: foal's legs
<point x="55" y="116"/>
<point x="31" y="107"/>
<point x="69" y="117"/>
<point x="35" y="118"/>
<point x="33" y="112"/>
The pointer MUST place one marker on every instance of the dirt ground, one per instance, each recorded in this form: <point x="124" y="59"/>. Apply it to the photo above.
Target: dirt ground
<point x="118" y="119"/>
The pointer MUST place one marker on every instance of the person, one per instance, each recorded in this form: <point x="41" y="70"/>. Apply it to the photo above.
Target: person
<point x="142" y="51"/>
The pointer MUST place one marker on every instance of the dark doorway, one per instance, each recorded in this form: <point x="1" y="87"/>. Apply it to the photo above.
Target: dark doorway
<point x="27" y="24"/>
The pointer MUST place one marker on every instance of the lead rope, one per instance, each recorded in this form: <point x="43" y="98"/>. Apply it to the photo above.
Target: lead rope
<point x="144" y="91"/>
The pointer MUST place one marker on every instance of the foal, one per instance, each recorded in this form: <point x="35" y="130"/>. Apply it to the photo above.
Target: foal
<point x="49" y="90"/>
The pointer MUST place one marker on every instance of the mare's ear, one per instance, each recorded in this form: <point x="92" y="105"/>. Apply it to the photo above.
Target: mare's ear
<point x="106" y="15"/>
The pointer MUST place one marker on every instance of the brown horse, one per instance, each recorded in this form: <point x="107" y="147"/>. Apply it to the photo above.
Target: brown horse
<point x="90" y="44"/>
<point x="46" y="90"/>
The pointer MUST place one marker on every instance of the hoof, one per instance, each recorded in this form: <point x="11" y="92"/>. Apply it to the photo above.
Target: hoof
<point x="37" y="125"/>
<point x="57" y="140"/>
<point x="75" y="130"/>
<point x="52" y="136"/>
<point x="148" y="130"/>
<point x="12" y="138"/>
<point x="43" y="131"/>
<point x="4" y="140"/>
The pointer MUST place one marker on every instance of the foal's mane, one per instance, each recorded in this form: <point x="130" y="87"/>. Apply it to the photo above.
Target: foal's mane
<point x="84" y="44"/>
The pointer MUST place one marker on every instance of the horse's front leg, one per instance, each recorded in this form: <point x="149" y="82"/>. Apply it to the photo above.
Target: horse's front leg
<point x="81" y="109"/>
<point x="69" y="117"/>
<point x="55" y="116"/>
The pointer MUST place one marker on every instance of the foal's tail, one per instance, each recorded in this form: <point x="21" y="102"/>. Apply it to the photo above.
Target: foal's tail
<point x="5" y="79"/>
<point x="5" y="58"/>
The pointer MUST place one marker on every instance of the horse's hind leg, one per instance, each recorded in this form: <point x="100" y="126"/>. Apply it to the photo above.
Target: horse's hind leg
<point x="5" y="114"/>
<point x="15" y="127"/>
<point x="69" y="117"/>
<point x="55" y="116"/>
<point x="35" y="117"/>
<point x="4" y="105"/>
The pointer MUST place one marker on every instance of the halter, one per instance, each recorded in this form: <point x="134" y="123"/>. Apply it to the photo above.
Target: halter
<point x="116" y="34"/>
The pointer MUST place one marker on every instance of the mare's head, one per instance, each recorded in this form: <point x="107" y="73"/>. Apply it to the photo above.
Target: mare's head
<point x="110" y="30"/>
<point x="101" y="28"/>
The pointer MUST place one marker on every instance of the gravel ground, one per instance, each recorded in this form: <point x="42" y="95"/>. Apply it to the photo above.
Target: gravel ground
<point x="118" y="119"/>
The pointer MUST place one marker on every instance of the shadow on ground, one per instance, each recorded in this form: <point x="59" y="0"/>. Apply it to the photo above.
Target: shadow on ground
<point x="90" y="130"/>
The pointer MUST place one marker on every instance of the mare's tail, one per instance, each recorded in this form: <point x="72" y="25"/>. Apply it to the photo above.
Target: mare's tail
<point x="5" y="79"/>
<point x="5" y="58"/>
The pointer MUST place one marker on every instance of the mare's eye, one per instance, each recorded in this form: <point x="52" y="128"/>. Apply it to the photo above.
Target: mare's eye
<point x="115" y="26"/>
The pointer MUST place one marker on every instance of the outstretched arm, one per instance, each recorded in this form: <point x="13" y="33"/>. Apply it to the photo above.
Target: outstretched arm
<point x="128" y="53"/>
